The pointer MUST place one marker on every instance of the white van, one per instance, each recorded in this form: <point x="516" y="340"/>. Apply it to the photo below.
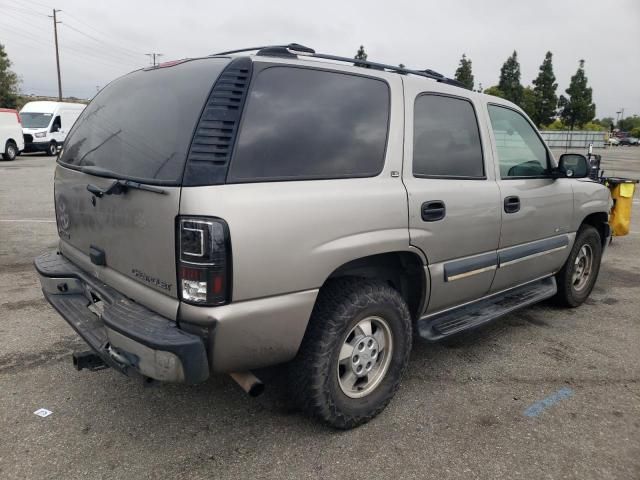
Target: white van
<point x="45" y="124"/>
<point x="11" y="142"/>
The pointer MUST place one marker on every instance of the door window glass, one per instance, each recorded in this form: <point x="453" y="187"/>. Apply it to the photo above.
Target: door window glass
<point x="446" y="140"/>
<point x="521" y="152"/>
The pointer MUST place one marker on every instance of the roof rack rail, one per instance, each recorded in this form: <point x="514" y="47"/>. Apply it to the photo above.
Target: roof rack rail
<point x="293" y="49"/>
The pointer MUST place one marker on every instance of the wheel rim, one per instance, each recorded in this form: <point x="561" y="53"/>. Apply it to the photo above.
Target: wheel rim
<point x="582" y="268"/>
<point x="11" y="152"/>
<point x="364" y="357"/>
<point x="52" y="149"/>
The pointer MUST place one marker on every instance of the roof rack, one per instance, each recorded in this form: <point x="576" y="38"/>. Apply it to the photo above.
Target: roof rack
<point x="295" y="49"/>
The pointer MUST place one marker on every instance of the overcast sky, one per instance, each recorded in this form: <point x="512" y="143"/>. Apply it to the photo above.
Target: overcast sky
<point x="101" y="40"/>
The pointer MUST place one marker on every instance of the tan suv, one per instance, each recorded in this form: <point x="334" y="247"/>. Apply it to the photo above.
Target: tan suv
<point x="239" y="211"/>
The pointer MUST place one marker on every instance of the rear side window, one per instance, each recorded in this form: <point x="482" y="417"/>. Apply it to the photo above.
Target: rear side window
<point x="311" y="124"/>
<point x="140" y="126"/>
<point x="446" y="140"/>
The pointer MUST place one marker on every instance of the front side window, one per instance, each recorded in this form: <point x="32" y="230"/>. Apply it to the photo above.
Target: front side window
<point x="446" y="141"/>
<point x="302" y="123"/>
<point x="521" y="152"/>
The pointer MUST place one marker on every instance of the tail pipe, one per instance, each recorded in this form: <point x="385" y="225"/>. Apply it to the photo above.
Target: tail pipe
<point x="248" y="382"/>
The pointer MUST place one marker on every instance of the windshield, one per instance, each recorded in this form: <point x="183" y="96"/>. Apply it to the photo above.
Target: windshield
<point x="35" y="120"/>
<point x="141" y="125"/>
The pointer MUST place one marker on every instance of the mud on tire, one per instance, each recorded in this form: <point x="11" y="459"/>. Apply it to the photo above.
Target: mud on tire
<point x="342" y="306"/>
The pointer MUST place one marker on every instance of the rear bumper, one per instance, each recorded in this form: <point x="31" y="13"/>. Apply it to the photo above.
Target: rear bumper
<point x="127" y="336"/>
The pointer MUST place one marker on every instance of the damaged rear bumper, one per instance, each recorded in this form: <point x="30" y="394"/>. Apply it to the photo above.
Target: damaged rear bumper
<point x="127" y="336"/>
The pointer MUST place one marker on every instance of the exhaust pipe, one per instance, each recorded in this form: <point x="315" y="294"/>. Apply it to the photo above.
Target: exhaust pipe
<point x="248" y="382"/>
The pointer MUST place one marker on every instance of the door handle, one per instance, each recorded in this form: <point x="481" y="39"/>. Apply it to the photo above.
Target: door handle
<point x="433" y="211"/>
<point x="511" y="204"/>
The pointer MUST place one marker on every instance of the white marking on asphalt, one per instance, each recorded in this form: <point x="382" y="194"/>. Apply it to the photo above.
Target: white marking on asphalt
<point x="26" y="220"/>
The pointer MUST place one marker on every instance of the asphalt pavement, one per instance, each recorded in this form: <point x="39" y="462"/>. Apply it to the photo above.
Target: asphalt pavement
<point x="545" y="393"/>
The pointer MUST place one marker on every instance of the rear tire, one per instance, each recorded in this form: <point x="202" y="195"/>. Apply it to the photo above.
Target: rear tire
<point x="580" y="271"/>
<point x="354" y="352"/>
<point x="10" y="151"/>
<point x="52" y="149"/>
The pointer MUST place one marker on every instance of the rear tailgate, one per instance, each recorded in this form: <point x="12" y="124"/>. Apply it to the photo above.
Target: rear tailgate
<point x="138" y="129"/>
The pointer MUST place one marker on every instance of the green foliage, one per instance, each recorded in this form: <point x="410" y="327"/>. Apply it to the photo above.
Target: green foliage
<point x="545" y="99"/>
<point x="529" y="103"/>
<point x="361" y="54"/>
<point x="593" y="126"/>
<point x="629" y="123"/>
<point x="635" y="132"/>
<point x="495" y="91"/>
<point x="9" y="82"/>
<point x="464" y="74"/>
<point x="509" y="83"/>
<point x="606" y="122"/>
<point x="556" y="125"/>
<point x="578" y="108"/>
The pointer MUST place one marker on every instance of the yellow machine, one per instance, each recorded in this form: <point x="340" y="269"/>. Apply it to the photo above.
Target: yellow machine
<point x="622" y="190"/>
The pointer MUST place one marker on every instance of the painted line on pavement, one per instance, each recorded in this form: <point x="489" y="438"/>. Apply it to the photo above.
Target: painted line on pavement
<point x="539" y="407"/>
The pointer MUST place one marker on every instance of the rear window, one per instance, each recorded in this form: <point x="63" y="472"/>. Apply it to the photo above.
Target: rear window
<point x="311" y="124"/>
<point x="140" y="126"/>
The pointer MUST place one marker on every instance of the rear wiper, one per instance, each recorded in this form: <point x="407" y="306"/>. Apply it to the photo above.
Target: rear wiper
<point x="121" y="186"/>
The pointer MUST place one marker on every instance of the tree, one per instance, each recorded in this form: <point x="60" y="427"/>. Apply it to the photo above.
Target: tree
<point x="464" y="74"/>
<point x="360" y="55"/>
<point x="629" y="123"/>
<point x="509" y="83"/>
<point x="9" y="82"/>
<point x="544" y="90"/>
<point x="529" y="103"/>
<point x="495" y="91"/>
<point x="606" y="122"/>
<point x="577" y="109"/>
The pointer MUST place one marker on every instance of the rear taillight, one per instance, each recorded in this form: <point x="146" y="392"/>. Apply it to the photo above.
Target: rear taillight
<point x="204" y="261"/>
<point x="19" y="119"/>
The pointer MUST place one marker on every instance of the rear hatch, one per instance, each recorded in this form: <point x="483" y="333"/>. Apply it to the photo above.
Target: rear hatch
<point x="117" y="184"/>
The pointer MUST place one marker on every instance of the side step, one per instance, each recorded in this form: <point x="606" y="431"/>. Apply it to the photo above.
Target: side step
<point x="478" y="313"/>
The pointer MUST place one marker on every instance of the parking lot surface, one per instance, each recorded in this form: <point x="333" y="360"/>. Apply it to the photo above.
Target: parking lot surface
<point x="543" y="393"/>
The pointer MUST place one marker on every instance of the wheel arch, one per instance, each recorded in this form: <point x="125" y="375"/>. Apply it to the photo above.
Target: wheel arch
<point x="402" y="270"/>
<point x="600" y="221"/>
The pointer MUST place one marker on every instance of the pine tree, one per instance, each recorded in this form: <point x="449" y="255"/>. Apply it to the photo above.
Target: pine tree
<point x="529" y="102"/>
<point x="545" y="98"/>
<point x="577" y="109"/>
<point x="361" y="55"/>
<point x="509" y="83"/>
<point x="9" y="82"/>
<point x="464" y="74"/>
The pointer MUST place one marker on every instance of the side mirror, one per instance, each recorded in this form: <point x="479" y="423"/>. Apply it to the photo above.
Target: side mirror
<point x="573" y="165"/>
<point x="55" y="128"/>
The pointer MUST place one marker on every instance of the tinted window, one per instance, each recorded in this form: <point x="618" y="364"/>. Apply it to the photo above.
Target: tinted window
<point x="140" y="126"/>
<point x="309" y="124"/>
<point x="521" y="153"/>
<point x="446" y="141"/>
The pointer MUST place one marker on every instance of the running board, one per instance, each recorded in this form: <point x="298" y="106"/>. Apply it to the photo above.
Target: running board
<point x="483" y="311"/>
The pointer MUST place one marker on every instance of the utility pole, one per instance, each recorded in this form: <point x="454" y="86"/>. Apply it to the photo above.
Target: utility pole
<point x="153" y="56"/>
<point x="55" y="36"/>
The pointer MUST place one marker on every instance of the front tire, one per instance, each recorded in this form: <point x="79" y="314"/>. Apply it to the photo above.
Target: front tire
<point x="580" y="271"/>
<point x="10" y="151"/>
<point x="354" y="352"/>
<point x="52" y="149"/>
